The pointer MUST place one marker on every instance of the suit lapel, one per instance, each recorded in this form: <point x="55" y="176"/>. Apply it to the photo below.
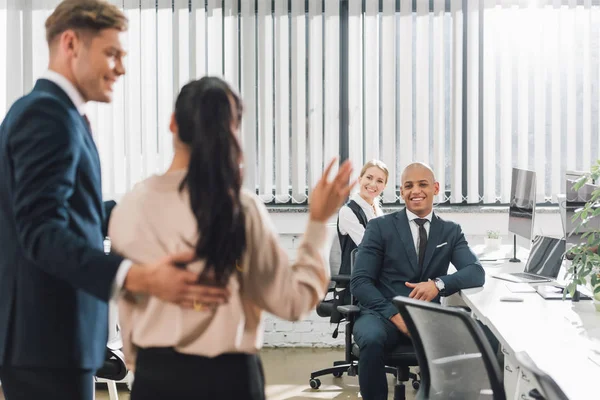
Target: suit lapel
<point x="51" y="87"/>
<point x="433" y="240"/>
<point x="48" y="86"/>
<point x="401" y="222"/>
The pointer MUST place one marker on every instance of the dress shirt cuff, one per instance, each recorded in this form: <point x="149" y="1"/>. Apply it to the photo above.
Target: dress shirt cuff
<point x="122" y="272"/>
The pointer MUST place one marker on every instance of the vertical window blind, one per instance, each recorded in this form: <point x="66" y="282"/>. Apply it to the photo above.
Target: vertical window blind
<point x="473" y="88"/>
<point x="540" y="92"/>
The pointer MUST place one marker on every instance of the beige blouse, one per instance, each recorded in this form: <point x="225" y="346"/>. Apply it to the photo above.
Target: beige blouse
<point x="155" y="220"/>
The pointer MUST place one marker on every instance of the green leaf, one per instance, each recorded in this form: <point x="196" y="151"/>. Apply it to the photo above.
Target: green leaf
<point x="596" y="289"/>
<point x="586" y="271"/>
<point x="571" y="288"/>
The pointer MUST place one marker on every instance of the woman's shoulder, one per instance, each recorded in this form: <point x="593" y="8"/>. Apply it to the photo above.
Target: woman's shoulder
<point x="248" y="198"/>
<point x="256" y="213"/>
<point x="344" y="209"/>
<point x="252" y="204"/>
<point x="345" y="214"/>
<point x="136" y="195"/>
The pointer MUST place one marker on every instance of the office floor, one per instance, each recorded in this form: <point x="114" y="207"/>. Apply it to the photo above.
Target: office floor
<point x="287" y="373"/>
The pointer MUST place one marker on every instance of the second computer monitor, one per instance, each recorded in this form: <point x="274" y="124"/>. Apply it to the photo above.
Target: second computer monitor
<point x="522" y="203"/>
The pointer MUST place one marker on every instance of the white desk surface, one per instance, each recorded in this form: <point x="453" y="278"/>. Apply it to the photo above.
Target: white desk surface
<point x="558" y="335"/>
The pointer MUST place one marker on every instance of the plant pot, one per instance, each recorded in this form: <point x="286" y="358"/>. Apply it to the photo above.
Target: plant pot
<point x="492" y="244"/>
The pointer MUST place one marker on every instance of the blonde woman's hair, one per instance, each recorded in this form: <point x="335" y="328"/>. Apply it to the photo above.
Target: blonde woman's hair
<point x="375" y="163"/>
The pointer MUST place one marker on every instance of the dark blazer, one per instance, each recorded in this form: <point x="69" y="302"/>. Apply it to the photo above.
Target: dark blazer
<point x="54" y="276"/>
<point x="387" y="259"/>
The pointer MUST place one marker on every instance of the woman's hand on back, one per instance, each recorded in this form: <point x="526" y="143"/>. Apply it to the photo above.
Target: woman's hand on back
<point x="328" y="196"/>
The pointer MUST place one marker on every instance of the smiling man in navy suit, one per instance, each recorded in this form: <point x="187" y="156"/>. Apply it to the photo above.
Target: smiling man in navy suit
<point x="55" y="279"/>
<point x="405" y="253"/>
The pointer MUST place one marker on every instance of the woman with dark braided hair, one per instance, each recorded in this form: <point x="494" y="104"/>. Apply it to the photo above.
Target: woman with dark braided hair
<point x="199" y="204"/>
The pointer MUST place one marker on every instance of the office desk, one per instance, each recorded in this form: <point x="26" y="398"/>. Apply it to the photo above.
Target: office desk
<point x="558" y="335"/>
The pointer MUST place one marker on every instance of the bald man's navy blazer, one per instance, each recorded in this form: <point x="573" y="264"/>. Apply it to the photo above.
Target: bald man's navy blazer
<point x="387" y="259"/>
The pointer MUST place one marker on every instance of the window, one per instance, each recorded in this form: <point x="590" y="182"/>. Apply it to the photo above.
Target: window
<point x="471" y="87"/>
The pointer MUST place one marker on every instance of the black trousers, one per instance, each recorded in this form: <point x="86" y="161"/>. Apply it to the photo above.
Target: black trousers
<point x="47" y="384"/>
<point x="163" y="373"/>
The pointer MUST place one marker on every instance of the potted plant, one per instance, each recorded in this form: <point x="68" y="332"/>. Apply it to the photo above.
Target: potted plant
<point x="492" y="240"/>
<point x="584" y="268"/>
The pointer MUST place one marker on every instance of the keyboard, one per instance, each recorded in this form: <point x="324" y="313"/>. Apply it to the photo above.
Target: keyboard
<point x="531" y="277"/>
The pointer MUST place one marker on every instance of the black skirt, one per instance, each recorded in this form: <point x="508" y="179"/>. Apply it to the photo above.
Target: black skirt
<point x="163" y="373"/>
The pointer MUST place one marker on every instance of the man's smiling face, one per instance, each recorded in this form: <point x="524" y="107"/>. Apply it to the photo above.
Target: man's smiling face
<point x="418" y="189"/>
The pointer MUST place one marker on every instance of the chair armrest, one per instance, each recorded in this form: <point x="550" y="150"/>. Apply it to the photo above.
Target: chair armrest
<point x="348" y="310"/>
<point x="341" y="278"/>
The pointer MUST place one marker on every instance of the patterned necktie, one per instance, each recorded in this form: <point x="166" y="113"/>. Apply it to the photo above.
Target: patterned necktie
<point x="422" y="240"/>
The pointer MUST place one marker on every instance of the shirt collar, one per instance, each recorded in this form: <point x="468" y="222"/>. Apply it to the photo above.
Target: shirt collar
<point x="412" y="216"/>
<point x="362" y="202"/>
<point x="67" y="87"/>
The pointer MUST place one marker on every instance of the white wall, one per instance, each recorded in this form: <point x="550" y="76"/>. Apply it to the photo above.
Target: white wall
<point x="315" y="331"/>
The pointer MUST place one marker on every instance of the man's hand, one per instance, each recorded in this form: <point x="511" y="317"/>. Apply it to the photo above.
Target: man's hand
<point x="399" y="322"/>
<point x="174" y="285"/>
<point x="423" y="291"/>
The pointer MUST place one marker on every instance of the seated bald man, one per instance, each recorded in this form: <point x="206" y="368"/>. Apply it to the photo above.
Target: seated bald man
<point x="405" y="253"/>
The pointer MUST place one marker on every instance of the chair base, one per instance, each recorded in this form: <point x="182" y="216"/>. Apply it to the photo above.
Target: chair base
<point x="401" y="374"/>
<point x="113" y="393"/>
<point x="399" y="391"/>
<point x="338" y="370"/>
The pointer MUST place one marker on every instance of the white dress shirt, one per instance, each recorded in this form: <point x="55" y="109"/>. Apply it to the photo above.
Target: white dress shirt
<point x="414" y="227"/>
<point x="79" y="103"/>
<point x="349" y="224"/>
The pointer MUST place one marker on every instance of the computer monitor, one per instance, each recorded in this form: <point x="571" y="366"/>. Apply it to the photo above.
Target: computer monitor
<point x="522" y="203"/>
<point x="546" y="256"/>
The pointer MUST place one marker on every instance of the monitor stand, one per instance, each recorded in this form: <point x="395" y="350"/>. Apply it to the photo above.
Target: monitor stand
<point x="514" y="259"/>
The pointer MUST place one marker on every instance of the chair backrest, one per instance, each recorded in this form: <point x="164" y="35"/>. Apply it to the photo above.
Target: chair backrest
<point x="547" y="388"/>
<point x="353" y="259"/>
<point x="336" y="296"/>
<point x="455" y="358"/>
<point x="333" y="251"/>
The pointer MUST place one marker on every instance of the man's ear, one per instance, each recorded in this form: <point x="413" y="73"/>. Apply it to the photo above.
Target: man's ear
<point x="436" y="185"/>
<point x="69" y="42"/>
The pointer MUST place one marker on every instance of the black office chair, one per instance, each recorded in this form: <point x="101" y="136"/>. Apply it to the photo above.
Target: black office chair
<point x="112" y="371"/>
<point x="456" y="359"/>
<point x="545" y="387"/>
<point x="397" y="361"/>
<point x="114" y="368"/>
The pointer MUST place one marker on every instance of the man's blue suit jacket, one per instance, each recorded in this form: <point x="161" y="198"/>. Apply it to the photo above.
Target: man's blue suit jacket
<point x="54" y="276"/>
<point x="387" y="259"/>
